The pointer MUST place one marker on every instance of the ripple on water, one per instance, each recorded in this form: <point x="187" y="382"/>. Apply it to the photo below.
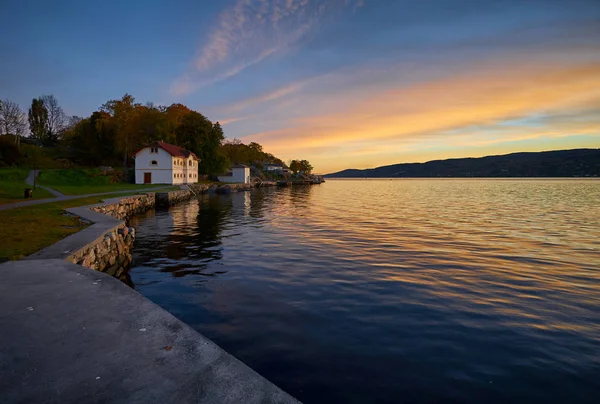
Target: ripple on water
<point x="388" y="291"/>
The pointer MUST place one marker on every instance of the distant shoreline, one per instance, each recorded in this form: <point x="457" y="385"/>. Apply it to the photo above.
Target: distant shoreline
<point x="460" y="178"/>
<point x="575" y="163"/>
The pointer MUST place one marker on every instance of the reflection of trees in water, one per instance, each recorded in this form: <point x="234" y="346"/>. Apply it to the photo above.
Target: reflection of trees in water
<point x="300" y="195"/>
<point x="185" y="240"/>
<point x="195" y="239"/>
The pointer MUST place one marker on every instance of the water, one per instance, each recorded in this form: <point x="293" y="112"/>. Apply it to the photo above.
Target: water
<point x="387" y="291"/>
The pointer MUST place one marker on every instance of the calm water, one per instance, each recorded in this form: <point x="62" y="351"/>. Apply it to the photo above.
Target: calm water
<point x="392" y="291"/>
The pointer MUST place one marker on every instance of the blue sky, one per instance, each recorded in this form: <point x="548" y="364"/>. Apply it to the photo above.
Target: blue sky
<point x="342" y="83"/>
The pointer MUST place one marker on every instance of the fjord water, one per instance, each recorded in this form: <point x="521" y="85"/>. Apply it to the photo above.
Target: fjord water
<point x="358" y="291"/>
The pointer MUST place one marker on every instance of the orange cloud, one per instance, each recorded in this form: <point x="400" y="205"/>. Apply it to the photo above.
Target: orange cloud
<point x="484" y="96"/>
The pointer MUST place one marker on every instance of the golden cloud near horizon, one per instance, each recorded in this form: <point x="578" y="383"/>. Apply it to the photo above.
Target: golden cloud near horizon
<point x="419" y="114"/>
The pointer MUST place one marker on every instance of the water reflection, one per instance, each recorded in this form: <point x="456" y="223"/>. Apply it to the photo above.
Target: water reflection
<point x="388" y="291"/>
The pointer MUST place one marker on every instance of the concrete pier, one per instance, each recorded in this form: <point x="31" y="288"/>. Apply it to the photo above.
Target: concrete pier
<point x="70" y="334"/>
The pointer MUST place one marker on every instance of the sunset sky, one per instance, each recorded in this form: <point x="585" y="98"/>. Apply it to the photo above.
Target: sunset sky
<point x="342" y="83"/>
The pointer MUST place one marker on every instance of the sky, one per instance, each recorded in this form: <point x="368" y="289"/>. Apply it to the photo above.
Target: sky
<point x="341" y="83"/>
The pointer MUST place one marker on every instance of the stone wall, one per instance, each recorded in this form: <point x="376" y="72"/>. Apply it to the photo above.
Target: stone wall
<point x="173" y="197"/>
<point x="122" y="208"/>
<point x="110" y="253"/>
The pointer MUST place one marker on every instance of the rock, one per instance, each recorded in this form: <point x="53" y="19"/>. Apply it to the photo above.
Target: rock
<point x="112" y="270"/>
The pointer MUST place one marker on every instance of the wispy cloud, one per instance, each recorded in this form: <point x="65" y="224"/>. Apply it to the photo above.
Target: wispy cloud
<point x="266" y="97"/>
<point x="464" y="109"/>
<point x="249" y="32"/>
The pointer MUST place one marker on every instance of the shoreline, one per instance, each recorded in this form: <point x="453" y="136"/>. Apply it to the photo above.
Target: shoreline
<point x="49" y="291"/>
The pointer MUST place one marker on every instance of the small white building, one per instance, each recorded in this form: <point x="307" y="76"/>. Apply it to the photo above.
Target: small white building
<point x="238" y="173"/>
<point x="163" y="163"/>
<point x="273" y="167"/>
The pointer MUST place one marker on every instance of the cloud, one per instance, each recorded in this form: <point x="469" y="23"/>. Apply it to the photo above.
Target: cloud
<point x="266" y="97"/>
<point x="231" y="120"/>
<point x="480" y="106"/>
<point x="249" y="32"/>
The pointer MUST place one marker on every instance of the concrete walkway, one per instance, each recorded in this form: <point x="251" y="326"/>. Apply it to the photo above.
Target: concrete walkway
<point x="74" y="335"/>
<point x="62" y="197"/>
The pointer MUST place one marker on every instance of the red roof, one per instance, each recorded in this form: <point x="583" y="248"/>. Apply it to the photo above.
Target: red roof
<point x="173" y="150"/>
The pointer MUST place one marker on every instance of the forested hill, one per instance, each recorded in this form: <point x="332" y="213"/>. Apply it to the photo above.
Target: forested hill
<point x="560" y="163"/>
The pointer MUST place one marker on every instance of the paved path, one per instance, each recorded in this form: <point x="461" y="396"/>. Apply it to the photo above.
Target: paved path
<point x="62" y="197"/>
<point x="31" y="181"/>
<point x="74" y="335"/>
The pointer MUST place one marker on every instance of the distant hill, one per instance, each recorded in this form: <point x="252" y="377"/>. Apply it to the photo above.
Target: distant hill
<point x="559" y="163"/>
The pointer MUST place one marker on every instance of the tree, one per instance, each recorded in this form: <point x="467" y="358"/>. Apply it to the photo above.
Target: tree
<point x="57" y="120"/>
<point x="72" y="121"/>
<point x="12" y="119"/>
<point x="93" y="139"/>
<point x="295" y="166"/>
<point x="305" y="166"/>
<point x="38" y="119"/>
<point x="121" y="113"/>
<point x="201" y="136"/>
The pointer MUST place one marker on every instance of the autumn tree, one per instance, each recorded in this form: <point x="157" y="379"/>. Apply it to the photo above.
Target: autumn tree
<point x="295" y="166"/>
<point x="201" y="136"/>
<point x="174" y="115"/>
<point x="38" y="120"/>
<point x="94" y="138"/>
<point x="251" y="154"/>
<point x="121" y="120"/>
<point x="305" y="166"/>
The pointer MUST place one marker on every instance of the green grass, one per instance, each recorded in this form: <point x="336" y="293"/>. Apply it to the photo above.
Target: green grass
<point x="29" y="229"/>
<point x="79" y="181"/>
<point x="12" y="185"/>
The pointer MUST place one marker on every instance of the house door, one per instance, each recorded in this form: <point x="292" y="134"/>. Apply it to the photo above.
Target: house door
<point x="147" y="178"/>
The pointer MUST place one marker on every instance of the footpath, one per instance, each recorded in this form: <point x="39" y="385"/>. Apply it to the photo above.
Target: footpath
<point x="70" y="334"/>
<point x="62" y="197"/>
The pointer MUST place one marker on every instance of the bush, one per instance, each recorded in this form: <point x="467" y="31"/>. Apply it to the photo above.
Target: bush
<point x="9" y="152"/>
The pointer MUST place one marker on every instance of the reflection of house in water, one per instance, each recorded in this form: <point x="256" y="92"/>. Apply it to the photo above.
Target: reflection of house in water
<point x="184" y="216"/>
<point x="241" y="203"/>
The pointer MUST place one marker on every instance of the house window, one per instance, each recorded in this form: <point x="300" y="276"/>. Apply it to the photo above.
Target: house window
<point x="190" y="163"/>
<point x="154" y="150"/>
<point x="174" y="175"/>
<point x="154" y="163"/>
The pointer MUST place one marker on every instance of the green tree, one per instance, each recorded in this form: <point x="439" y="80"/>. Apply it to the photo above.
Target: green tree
<point x="38" y="120"/>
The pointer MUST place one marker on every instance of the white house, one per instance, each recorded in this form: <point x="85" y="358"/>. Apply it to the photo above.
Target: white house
<point x="163" y="163"/>
<point x="238" y="173"/>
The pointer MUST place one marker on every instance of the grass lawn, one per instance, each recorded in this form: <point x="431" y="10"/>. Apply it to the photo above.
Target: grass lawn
<point x="85" y="181"/>
<point x="12" y="185"/>
<point x="29" y="229"/>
